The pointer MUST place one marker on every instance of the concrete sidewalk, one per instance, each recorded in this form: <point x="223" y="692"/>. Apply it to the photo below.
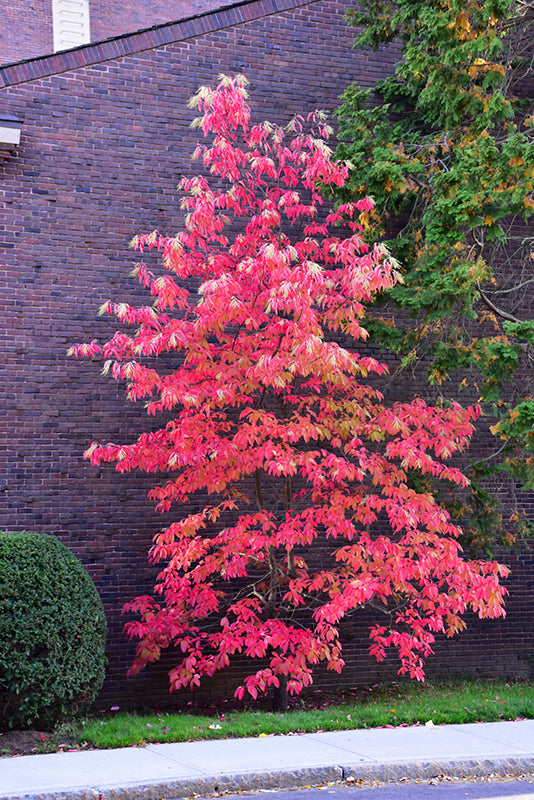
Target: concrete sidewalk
<point x="180" y="770"/>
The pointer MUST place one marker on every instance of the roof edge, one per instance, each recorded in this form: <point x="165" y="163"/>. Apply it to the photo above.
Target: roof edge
<point x="85" y="55"/>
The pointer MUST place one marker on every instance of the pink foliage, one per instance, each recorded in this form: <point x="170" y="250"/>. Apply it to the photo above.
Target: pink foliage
<point x="274" y="424"/>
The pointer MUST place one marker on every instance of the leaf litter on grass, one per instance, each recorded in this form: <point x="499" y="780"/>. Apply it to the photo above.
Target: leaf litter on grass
<point x="325" y="711"/>
<point x="394" y="705"/>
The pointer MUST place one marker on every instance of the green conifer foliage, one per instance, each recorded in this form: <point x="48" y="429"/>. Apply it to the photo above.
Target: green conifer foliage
<point x="446" y="149"/>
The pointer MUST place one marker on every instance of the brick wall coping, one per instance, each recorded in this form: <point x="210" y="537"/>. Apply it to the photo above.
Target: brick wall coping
<point x="156" y="36"/>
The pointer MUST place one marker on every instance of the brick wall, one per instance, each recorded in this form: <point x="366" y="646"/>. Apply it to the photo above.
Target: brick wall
<point x="105" y="140"/>
<point x="26" y="29"/>
<point x="109" y="18"/>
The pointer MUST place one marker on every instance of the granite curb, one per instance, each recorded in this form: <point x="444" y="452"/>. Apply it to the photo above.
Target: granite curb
<point x="208" y="786"/>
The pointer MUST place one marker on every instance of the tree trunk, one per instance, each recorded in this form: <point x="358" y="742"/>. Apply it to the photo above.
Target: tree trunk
<point x="280" y="696"/>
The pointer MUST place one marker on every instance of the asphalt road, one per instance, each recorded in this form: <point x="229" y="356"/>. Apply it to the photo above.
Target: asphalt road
<point x="443" y="790"/>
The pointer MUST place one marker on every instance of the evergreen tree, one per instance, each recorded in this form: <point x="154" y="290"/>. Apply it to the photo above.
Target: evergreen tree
<point x="445" y="148"/>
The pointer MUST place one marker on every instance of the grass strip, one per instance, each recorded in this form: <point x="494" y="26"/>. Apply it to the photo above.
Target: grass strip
<point x="401" y="704"/>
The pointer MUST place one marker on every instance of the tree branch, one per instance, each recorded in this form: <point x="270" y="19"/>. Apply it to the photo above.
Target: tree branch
<point x="513" y="288"/>
<point x="496" y="310"/>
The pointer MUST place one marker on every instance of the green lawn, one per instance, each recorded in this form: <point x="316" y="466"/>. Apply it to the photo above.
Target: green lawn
<point x="400" y="704"/>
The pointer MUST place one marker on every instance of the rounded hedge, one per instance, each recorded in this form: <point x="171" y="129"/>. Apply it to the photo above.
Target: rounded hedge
<point x="52" y="631"/>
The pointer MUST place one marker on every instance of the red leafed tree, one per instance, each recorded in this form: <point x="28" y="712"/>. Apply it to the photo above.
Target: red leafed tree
<point x="273" y="426"/>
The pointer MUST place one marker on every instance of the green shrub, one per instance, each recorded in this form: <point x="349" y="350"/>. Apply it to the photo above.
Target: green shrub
<point x="52" y="631"/>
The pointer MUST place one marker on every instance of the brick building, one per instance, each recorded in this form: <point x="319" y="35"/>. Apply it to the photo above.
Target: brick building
<point x="41" y="27"/>
<point x="105" y="138"/>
